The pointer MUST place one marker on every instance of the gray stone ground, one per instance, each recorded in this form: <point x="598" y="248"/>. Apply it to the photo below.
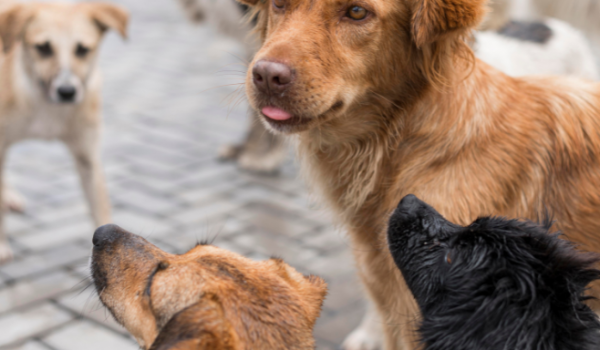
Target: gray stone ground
<point x="169" y="105"/>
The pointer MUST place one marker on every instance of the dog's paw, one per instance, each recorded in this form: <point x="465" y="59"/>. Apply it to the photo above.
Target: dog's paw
<point x="266" y="164"/>
<point x="362" y="339"/>
<point x="230" y="152"/>
<point x="6" y="254"/>
<point x="13" y="200"/>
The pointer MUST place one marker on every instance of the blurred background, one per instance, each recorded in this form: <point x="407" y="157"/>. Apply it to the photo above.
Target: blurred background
<point x="173" y="95"/>
<point x="171" y="99"/>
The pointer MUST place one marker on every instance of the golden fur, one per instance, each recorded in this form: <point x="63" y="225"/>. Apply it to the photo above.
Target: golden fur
<point x="207" y="298"/>
<point x="396" y="104"/>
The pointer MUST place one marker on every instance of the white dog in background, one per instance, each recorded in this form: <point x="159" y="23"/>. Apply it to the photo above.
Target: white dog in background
<point x="582" y="14"/>
<point x="531" y="48"/>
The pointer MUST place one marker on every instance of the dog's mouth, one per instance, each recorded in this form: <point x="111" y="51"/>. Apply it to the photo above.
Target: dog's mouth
<point x="282" y="120"/>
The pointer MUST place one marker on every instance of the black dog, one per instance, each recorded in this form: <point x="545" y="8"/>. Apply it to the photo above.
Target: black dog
<point x="497" y="284"/>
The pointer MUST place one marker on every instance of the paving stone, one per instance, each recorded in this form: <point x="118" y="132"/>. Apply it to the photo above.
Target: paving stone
<point x="23" y="324"/>
<point x="86" y="335"/>
<point x="35" y="263"/>
<point x="46" y="238"/>
<point x="28" y="291"/>
<point x="138" y="223"/>
<point x="30" y="345"/>
<point x="169" y="105"/>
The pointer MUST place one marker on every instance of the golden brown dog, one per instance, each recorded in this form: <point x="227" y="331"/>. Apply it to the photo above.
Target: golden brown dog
<point x="208" y="298"/>
<point x="50" y="86"/>
<point x="387" y="99"/>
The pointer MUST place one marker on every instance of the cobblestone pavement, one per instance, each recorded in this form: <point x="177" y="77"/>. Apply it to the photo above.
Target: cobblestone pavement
<point x="169" y="105"/>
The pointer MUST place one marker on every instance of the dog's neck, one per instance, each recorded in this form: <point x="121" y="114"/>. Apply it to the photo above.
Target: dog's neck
<point x="352" y="155"/>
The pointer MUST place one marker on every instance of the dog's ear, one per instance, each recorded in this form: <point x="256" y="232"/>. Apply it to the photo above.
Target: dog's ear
<point x="109" y="16"/>
<point x="312" y="289"/>
<point x="12" y="24"/>
<point x="435" y="19"/>
<point x="198" y="327"/>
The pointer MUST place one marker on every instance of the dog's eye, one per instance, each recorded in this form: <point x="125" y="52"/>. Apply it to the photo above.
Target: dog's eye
<point x="357" y="13"/>
<point x="448" y="258"/>
<point x="45" y="49"/>
<point x="279" y="3"/>
<point x="81" y="51"/>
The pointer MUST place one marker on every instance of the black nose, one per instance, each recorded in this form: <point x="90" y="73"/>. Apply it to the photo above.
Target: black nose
<point x="272" y="76"/>
<point x="105" y="234"/>
<point x="410" y="203"/>
<point x="67" y="93"/>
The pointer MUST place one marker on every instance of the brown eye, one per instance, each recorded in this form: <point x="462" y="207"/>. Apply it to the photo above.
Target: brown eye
<point x="448" y="258"/>
<point x="44" y="50"/>
<point x="81" y="51"/>
<point x="279" y="3"/>
<point x="357" y="13"/>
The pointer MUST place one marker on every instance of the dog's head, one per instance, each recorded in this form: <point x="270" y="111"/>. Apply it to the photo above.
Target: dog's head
<point x="496" y="284"/>
<point x="322" y="58"/>
<point x="206" y="296"/>
<point x="59" y="43"/>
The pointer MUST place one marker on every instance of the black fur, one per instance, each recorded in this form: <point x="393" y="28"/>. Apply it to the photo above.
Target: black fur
<point x="497" y="284"/>
<point x="537" y="32"/>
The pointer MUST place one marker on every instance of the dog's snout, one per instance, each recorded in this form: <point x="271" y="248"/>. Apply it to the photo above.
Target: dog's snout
<point x="67" y="93"/>
<point x="272" y="76"/>
<point x="105" y="234"/>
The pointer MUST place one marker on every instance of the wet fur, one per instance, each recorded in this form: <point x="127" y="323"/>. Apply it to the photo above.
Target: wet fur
<point x="495" y="284"/>
<point x="405" y="108"/>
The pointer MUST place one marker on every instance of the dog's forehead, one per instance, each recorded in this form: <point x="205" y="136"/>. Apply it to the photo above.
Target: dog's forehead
<point x="381" y="7"/>
<point x="62" y="22"/>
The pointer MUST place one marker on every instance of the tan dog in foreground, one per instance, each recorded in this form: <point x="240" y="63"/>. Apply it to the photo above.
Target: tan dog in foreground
<point x="207" y="298"/>
<point x="50" y="86"/>
<point x="386" y="99"/>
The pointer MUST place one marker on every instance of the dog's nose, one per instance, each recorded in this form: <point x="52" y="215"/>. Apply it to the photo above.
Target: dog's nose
<point x="272" y="76"/>
<point x="410" y="204"/>
<point x="105" y="234"/>
<point x="67" y="93"/>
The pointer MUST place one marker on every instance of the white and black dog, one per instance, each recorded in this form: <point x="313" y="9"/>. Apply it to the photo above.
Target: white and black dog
<point x="496" y="284"/>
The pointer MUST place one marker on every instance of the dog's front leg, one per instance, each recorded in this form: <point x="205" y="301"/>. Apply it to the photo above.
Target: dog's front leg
<point x="369" y="334"/>
<point x="5" y="251"/>
<point x="85" y="148"/>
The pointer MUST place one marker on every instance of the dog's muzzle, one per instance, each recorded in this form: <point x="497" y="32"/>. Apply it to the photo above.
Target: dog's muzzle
<point x="66" y="88"/>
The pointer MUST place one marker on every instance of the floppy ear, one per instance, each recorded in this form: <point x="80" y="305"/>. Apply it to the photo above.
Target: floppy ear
<point x="12" y="24"/>
<point x="435" y="19"/>
<point x="198" y="327"/>
<point x="109" y="16"/>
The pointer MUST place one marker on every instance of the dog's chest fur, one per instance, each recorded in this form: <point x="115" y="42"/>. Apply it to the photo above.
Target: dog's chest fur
<point x="36" y="119"/>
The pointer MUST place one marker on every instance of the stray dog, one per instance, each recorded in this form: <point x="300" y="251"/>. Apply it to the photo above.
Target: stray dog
<point x="207" y="298"/>
<point x="51" y="86"/>
<point x="496" y="284"/>
<point x="386" y="98"/>
<point x="261" y="152"/>
<point x="565" y="51"/>
<point x="531" y="48"/>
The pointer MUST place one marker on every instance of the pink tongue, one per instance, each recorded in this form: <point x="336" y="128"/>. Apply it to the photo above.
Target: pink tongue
<point x="276" y="113"/>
